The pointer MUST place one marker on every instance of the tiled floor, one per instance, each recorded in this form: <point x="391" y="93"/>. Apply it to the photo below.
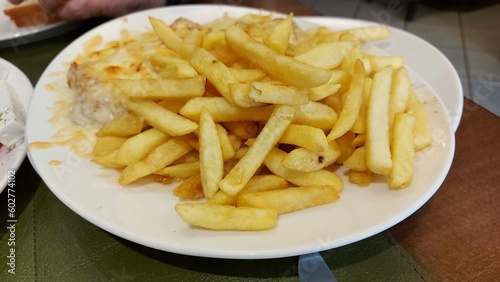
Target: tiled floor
<point x="469" y="38"/>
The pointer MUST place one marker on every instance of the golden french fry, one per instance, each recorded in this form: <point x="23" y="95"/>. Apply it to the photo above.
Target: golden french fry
<point x="359" y="140"/>
<point x="273" y="162"/>
<point x="402" y="150"/>
<point x="160" y="118"/>
<point x="327" y="55"/>
<point x="346" y="146"/>
<point x="190" y="189"/>
<point x="214" y="70"/>
<point x="360" y="178"/>
<point x="303" y="159"/>
<point x="272" y="93"/>
<point x="166" y="34"/>
<point x="248" y="75"/>
<point x="222" y="111"/>
<point x="213" y="40"/>
<point x="377" y="63"/>
<point x="290" y="199"/>
<point x="138" y="146"/>
<point x="243" y="129"/>
<point x="211" y="158"/>
<point x="352" y="103"/>
<point x="422" y="130"/>
<point x="400" y="93"/>
<point x="359" y="125"/>
<point x="106" y="144"/>
<point x="157" y="159"/>
<point x="316" y="115"/>
<point x="280" y="35"/>
<point x="304" y="136"/>
<point x="182" y="170"/>
<point x="108" y="160"/>
<point x="357" y="160"/>
<point x="218" y="217"/>
<point x="191" y="42"/>
<point x="369" y="33"/>
<point x="378" y="154"/>
<point x="240" y="93"/>
<point x="227" y="148"/>
<point x="302" y="76"/>
<point x="238" y="177"/>
<point x="257" y="183"/>
<point x="122" y="126"/>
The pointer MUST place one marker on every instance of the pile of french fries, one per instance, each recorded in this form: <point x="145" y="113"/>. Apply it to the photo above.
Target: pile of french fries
<point x="254" y="116"/>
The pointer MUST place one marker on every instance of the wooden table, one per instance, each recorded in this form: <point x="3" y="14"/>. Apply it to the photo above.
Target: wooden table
<point x="454" y="237"/>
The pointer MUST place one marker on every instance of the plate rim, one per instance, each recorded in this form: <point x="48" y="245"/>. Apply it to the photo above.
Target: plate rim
<point x="232" y="255"/>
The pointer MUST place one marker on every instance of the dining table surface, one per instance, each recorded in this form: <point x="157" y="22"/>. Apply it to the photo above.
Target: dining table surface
<point x="454" y="236"/>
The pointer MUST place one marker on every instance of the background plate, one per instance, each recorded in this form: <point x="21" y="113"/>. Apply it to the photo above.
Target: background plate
<point x="144" y="212"/>
<point x="13" y="36"/>
<point x="11" y="160"/>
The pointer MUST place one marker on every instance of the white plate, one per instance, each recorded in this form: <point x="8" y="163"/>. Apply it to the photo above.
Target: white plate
<point x="145" y="213"/>
<point x="13" y="36"/>
<point x="12" y="160"/>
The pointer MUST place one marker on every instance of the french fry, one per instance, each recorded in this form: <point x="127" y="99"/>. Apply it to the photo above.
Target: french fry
<point x="302" y="76"/>
<point x="290" y="199"/>
<point x="316" y="115"/>
<point x="257" y="183"/>
<point x="377" y="63"/>
<point x="191" y="42"/>
<point x="273" y="162"/>
<point x="302" y="159"/>
<point x="223" y="111"/>
<point x="357" y="160"/>
<point x="211" y="158"/>
<point x="240" y="93"/>
<point x="166" y="34"/>
<point x="138" y="146"/>
<point x="160" y="118"/>
<point x="370" y="33"/>
<point x="182" y="170"/>
<point x="243" y="129"/>
<point x="239" y="176"/>
<point x="272" y="93"/>
<point x="215" y="71"/>
<point x="422" y="130"/>
<point x="280" y="35"/>
<point x="190" y="189"/>
<point x="327" y="55"/>
<point x="352" y="104"/>
<point x="157" y="159"/>
<point x="108" y="160"/>
<point x="106" y="144"/>
<point x="248" y="75"/>
<point x="308" y="137"/>
<point x="218" y="217"/>
<point x="400" y="93"/>
<point x="162" y="89"/>
<point x="346" y="146"/>
<point x="378" y="154"/>
<point x="402" y="150"/>
<point x="227" y="148"/>
<point x="122" y="126"/>
<point x="360" y="178"/>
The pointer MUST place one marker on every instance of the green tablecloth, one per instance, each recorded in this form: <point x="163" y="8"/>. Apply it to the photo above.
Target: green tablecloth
<point x="52" y="243"/>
